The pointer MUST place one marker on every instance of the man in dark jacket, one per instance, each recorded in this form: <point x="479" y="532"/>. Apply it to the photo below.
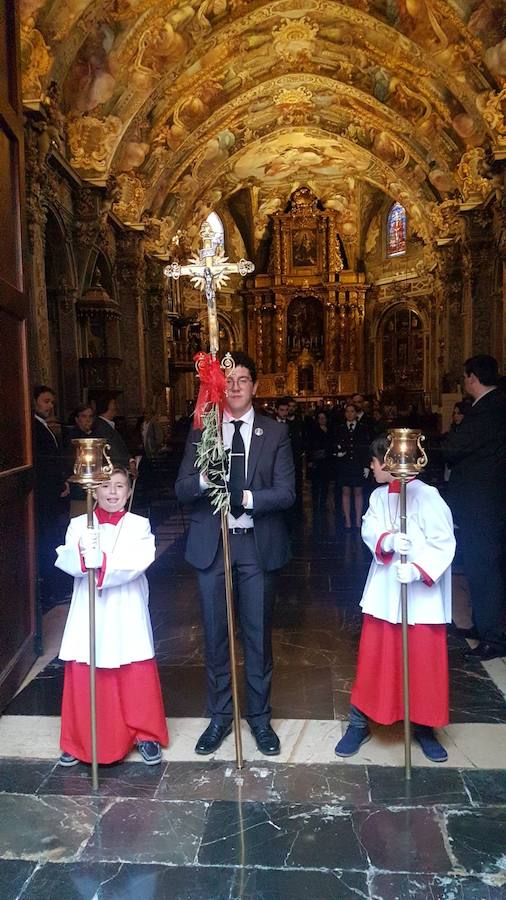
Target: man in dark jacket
<point x="476" y="452"/>
<point x="49" y="487"/>
<point x="258" y="544"/>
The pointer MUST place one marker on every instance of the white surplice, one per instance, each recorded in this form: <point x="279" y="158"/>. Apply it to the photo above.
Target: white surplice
<point x="430" y="527"/>
<point x="123" y="627"/>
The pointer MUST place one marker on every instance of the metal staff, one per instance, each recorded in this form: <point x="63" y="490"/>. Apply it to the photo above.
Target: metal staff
<point x="209" y="271"/>
<point x="89" y="471"/>
<point x="405" y="458"/>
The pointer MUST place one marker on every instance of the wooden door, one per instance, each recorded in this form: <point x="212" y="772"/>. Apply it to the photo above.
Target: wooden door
<point x="17" y="546"/>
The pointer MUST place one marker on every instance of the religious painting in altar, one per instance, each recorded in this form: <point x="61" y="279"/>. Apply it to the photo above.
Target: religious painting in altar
<point x="304" y="248"/>
<point x="305" y="327"/>
<point x="403" y="349"/>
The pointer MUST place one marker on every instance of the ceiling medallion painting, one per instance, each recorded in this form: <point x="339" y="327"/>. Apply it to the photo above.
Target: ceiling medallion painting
<point x="190" y="102"/>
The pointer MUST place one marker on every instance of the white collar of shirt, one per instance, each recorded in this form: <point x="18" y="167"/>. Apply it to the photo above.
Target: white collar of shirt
<point x="44" y="423"/>
<point x="493" y="388"/>
<point x="247" y="418"/>
<point x="109" y="421"/>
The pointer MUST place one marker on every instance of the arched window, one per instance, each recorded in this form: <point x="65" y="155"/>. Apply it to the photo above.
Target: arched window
<point x="396" y="230"/>
<point x="214" y="221"/>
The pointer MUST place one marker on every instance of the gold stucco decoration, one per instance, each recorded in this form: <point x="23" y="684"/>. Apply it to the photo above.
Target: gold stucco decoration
<point x="293" y="40"/>
<point x="92" y="142"/>
<point x="36" y="60"/>
<point x="131" y="197"/>
<point x="473" y="186"/>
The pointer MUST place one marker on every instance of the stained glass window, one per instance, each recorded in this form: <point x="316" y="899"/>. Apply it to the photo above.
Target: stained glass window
<point x="396" y="230"/>
<point x="216" y="224"/>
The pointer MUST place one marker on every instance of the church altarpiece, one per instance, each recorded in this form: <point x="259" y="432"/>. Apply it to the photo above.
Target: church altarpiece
<point x="306" y="315"/>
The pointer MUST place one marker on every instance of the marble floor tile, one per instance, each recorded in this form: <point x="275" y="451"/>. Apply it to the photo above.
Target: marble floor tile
<point x="485" y="786"/>
<point x="280" y="836"/>
<point x="46" y="827"/>
<point x="392" y="886"/>
<point x="478" y="840"/>
<point x="278" y="884"/>
<point x="402" y="840"/>
<point x="124" y="779"/>
<point x="14" y="873"/>
<point x="265" y="782"/>
<point x="25" y="777"/>
<point x="482" y="746"/>
<point x="306" y="691"/>
<point x="145" y="831"/>
<point x="427" y="787"/>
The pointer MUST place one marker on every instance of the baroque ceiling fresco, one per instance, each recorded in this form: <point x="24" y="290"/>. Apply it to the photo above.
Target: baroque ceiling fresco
<point x="180" y="107"/>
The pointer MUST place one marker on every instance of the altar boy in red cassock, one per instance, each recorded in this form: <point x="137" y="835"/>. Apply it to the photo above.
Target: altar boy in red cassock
<point x="429" y="545"/>
<point x="130" y="711"/>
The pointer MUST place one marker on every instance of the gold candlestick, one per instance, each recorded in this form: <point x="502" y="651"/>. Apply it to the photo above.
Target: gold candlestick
<point x="405" y="458"/>
<point x="89" y="471"/>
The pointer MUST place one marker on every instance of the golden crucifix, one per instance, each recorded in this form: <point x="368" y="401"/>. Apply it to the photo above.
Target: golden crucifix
<point x="208" y="271"/>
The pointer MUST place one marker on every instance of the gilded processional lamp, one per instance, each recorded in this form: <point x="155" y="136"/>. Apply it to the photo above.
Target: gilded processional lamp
<point x="90" y="471"/>
<point x="405" y="458"/>
<point x="208" y="271"/>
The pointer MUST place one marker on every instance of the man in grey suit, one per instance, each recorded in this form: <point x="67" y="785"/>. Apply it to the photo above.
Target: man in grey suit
<point x="259" y="544"/>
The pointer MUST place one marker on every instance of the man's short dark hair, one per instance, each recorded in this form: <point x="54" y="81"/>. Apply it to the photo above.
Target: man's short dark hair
<point x="379" y="447"/>
<point x="102" y="402"/>
<point x="242" y="359"/>
<point x="484" y="367"/>
<point x="282" y="401"/>
<point x="42" y="389"/>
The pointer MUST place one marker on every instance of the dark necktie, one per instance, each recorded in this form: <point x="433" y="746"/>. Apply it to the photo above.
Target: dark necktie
<point x="351" y="427"/>
<point x="237" y="479"/>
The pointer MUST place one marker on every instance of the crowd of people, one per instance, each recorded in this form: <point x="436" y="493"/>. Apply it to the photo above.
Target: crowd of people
<point x="270" y="457"/>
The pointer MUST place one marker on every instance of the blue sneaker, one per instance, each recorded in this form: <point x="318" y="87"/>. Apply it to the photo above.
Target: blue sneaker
<point x="430" y="746"/>
<point x="150" y="752"/>
<point x="352" y="740"/>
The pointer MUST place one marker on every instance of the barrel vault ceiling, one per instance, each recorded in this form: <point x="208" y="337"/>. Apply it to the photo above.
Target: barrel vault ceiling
<point x="181" y="107"/>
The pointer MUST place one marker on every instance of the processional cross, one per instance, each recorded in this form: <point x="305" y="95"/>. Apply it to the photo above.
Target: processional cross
<point x="208" y="271"/>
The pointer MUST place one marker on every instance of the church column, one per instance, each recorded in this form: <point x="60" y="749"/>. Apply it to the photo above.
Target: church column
<point x="157" y="363"/>
<point x="259" y="335"/>
<point x="279" y="333"/>
<point x="66" y="305"/>
<point x="341" y="332"/>
<point x="331" y="333"/>
<point x="131" y="284"/>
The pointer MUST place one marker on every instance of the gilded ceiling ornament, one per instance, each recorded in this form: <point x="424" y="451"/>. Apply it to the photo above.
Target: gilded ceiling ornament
<point x="295" y="39"/>
<point x="131" y="201"/>
<point x="92" y="141"/>
<point x="36" y="60"/>
<point x="469" y="175"/>
<point x="158" y="234"/>
<point x="447" y="221"/>
<point x="492" y="106"/>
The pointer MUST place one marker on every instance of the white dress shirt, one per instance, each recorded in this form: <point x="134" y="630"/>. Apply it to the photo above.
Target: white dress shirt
<point x="246" y="430"/>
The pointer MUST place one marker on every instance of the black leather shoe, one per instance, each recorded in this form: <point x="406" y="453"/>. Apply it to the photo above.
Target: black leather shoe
<point x="212" y="738"/>
<point x="266" y="739"/>
<point x="484" y="651"/>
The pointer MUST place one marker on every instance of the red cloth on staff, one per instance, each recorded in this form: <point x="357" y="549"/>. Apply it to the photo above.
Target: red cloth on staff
<point x="129" y="709"/>
<point x="377" y="690"/>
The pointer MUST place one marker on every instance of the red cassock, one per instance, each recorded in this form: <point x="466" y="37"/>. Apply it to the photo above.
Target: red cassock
<point x="378" y="691"/>
<point x="129" y="709"/>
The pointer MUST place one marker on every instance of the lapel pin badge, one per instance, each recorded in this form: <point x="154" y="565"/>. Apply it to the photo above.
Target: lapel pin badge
<point x="259" y="432"/>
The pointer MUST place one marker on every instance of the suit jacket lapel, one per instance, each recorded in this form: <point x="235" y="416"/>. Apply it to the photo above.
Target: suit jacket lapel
<point x="254" y="451"/>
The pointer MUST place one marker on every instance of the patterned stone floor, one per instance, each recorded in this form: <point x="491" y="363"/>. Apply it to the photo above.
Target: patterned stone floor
<point x="304" y="826"/>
